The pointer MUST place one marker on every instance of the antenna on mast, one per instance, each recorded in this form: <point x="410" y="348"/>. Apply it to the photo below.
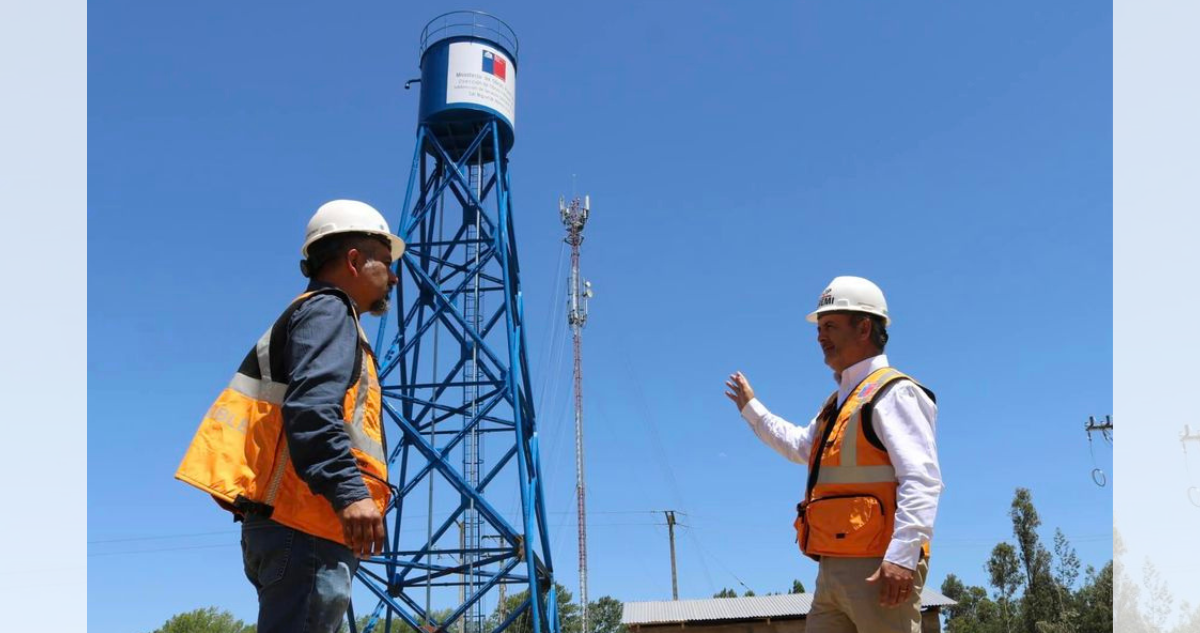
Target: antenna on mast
<point x="574" y="217"/>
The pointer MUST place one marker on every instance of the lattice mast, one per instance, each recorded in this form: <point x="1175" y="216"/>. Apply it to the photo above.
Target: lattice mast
<point x="574" y="217"/>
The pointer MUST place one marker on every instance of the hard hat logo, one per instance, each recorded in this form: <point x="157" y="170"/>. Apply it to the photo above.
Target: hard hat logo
<point x="851" y="294"/>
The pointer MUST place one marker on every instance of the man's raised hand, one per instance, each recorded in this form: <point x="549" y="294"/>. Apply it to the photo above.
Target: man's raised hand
<point x="738" y="390"/>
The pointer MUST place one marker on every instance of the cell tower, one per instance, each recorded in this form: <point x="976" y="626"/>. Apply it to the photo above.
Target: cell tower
<point x="574" y="217"/>
<point x="453" y="369"/>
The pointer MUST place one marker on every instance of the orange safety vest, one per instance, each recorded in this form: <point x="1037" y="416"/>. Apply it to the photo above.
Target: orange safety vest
<point x="240" y="456"/>
<point x="849" y="507"/>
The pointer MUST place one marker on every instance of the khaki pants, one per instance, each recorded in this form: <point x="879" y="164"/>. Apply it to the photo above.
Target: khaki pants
<point x="846" y="603"/>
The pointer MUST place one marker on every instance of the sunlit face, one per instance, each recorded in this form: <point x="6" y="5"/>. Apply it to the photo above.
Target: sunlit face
<point x="376" y="275"/>
<point x="842" y="343"/>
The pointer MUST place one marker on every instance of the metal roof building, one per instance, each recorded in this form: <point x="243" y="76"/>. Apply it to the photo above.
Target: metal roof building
<point x="756" y="614"/>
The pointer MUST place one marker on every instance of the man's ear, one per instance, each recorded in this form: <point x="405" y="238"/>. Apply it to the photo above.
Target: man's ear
<point x="864" y="329"/>
<point x="354" y="261"/>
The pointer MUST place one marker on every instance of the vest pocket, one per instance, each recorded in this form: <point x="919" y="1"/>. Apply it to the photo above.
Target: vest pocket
<point x="841" y="525"/>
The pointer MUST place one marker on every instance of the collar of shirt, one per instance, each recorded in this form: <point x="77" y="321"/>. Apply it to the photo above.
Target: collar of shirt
<point x="314" y="285"/>
<point x="856" y="373"/>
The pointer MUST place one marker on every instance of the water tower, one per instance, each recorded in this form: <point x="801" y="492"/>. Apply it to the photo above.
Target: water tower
<point x="467" y="526"/>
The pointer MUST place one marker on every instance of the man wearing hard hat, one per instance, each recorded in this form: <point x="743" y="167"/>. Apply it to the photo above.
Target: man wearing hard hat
<point x="873" y="477"/>
<point x="294" y="446"/>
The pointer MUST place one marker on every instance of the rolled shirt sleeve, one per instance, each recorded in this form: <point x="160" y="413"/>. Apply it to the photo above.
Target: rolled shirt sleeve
<point x="905" y="420"/>
<point x="792" y="441"/>
<point x="320" y="354"/>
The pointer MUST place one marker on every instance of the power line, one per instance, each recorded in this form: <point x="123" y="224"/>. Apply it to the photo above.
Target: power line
<point x="160" y="537"/>
<point x="706" y="552"/>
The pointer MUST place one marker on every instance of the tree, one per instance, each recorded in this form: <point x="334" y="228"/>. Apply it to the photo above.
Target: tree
<point x="797" y="587"/>
<point x="1066" y="567"/>
<point x="604" y="616"/>
<point x="1050" y="603"/>
<point x="974" y="613"/>
<point x="1095" y="600"/>
<point x="1004" y="573"/>
<point x="725" y="593"/>
<point x="1190" y="621"/>
<point x="568" y="612"/>
<point x="1127" y="616"/>
<point x="749" y="593"/>
<point x="209" y="620"/>
<point x="1160" y="596"/>
<point x="1040" y="600"/>
<point x="398" y="625"/>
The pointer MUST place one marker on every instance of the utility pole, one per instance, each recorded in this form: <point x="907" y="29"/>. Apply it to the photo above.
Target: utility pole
<point x="1188" y="436"/>
<point x="1193" y="491"/>
<point x="574" y="217"/>
<point x="671" y="531"/>
<point x="1105" y="429"/>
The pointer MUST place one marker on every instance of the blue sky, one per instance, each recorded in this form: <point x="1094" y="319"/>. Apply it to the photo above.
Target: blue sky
<point x="960" y="155"/>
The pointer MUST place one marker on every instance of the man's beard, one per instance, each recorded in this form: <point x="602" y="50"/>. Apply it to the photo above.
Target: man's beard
<point x="379" y="308"/>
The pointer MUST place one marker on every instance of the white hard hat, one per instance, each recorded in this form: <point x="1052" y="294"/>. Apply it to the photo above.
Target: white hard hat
<point x="349" y="216"/>
<point x="851" y="294"/>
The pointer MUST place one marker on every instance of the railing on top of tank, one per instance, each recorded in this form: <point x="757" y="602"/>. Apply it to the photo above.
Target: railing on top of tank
<point x="472" y="23"/>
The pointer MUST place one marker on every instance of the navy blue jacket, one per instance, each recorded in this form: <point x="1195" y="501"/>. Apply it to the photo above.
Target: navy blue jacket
<point x="319" y="357"/>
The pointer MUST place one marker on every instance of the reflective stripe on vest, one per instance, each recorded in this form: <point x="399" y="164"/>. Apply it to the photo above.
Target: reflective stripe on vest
<point x="850" y="503"/>
<point x="240" y="454"/>
<point x="354" y="428"/>
<point x="848" y="471"/>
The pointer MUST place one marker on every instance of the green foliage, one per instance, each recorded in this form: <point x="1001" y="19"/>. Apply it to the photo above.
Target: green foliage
<point x="1040" y="602"/>
<point x="1035" y="591"/>
<point x="1004" y="574"/>
<point x="568" y="612"/>
<point x="604" y="616"/>
<point x="209" y="620"/>
<point x="1095" y="600"/>
<point x="398" y="625"/>
<point x="1066" y="568"/>
<point x="974" y="613"/>
<point x="725" y="593"/>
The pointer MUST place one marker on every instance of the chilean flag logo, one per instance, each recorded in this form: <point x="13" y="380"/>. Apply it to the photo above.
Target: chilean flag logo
<point x="494" y="65"/>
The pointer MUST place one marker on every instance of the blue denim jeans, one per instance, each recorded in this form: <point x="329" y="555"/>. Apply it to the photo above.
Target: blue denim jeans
<point x="303" y="581"/>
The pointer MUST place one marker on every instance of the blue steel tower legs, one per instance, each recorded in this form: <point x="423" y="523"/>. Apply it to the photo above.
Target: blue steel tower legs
<point x="465" y="526"/>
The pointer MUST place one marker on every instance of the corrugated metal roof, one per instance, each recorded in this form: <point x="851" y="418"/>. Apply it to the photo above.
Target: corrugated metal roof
<point x="931" y="598"/>
<point x="752" y="608"/>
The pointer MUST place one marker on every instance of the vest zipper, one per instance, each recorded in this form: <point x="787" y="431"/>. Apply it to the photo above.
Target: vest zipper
<point x="815" y="464"/>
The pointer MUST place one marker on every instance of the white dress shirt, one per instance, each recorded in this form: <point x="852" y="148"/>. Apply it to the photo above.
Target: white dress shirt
<point x="905" y="420"/>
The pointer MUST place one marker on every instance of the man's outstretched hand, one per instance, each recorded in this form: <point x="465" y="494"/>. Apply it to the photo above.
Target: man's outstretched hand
<point x="363" y="527"/>
<point x="738" y="390"/>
